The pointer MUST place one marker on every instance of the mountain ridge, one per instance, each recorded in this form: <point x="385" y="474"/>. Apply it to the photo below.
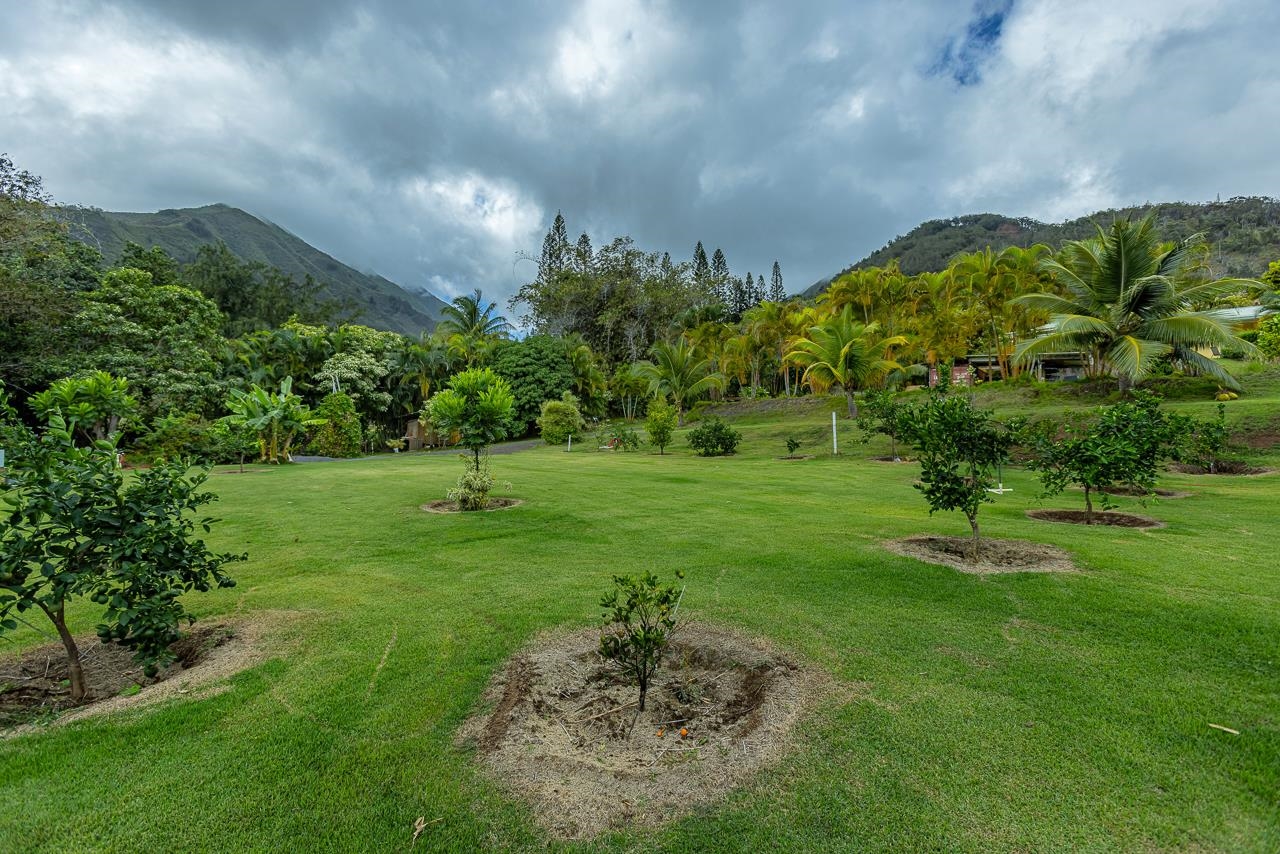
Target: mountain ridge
<point x="1244" y="232"/>
<point x="181" y="231"/>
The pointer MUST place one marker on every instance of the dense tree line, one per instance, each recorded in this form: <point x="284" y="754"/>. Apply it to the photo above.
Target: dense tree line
<point x="217" y="339"/>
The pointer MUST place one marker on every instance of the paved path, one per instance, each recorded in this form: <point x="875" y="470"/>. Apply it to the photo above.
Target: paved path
<point x="502" y="448"/>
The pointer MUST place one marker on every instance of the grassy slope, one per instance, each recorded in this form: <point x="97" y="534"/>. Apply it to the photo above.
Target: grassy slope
<point x="1003" y="713"/>
<point x="383" y="303"/>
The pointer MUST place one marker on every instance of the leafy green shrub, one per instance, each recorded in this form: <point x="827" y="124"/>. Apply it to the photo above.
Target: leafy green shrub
<point x="78" y="529"/>
<point x="473" y="487"/>
<point x="340" y="434"/>
<point x="1117" y="445"/>
<point x="640" y="616"/>
<point x="881" y="412"/>
<point x="98" y="405"/>
<point x="560" y="419"/>
<point x="1269" y="337"/>
<point x="660" y="423"/>
<point x="960" y="448"/>
<point x="793" y="445"/>
<point x="178" y="436"/>
<point x="618" y="435"/>
<point x="1204" y="439"/>
<point x="714" y="438"/>
<point x="233" y="440"/>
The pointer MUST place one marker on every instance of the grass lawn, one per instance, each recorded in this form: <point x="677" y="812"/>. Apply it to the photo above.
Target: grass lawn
<point x="1009" y="713"/>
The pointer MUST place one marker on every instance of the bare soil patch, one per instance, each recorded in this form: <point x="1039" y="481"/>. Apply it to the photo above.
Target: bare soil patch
<point x="888" y="459"/>
<point x="561" y="729"/>
<point x="35" y="687"/>
<point x="1235" y="467"/>
<point x="1113" y="518"/>
<point x="797" y="457"/>
<point x="444" y="505"/>
<point x="994" y="556"/>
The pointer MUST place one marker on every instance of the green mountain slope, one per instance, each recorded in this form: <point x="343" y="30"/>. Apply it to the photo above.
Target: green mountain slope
<point x="1244" y="233"/>
<point x="383" y="304"/>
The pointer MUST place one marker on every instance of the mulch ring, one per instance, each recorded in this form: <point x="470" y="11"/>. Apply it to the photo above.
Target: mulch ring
<point x="1099" y="517"/>
<point x="1134" y="492"/>
<point x="1236" y="467"/>
<point x="444" y="505"/>
<point x="562" y="731"/>
<point x="994" y="556"/>
<point x="797" y="457"/>
<point x="36" y="684"/>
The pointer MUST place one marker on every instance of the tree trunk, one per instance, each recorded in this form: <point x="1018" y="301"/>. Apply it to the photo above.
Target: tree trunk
<point x="973" y="523"/>
<point x="1126" y="384"/>
<point x="1088" y="506"/>
<point x="851" y="405"/>
<point x="476" y="451"/>
<point x="78" y="688"/>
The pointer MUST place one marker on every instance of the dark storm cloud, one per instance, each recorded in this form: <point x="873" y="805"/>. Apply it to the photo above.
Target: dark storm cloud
<point x="432" y="143"/>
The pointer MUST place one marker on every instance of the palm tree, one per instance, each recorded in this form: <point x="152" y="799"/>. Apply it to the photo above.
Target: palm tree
<point x="468" y="315"/>
<point x="1132" y="300"/>
<point x="843" y="352"/>
<point x="994" y="279"/>
<point x="677" y="370"/>
<point x="471" y="326"/>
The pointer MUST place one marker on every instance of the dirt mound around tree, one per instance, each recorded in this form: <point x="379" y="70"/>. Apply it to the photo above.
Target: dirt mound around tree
<point x="562" y="730"/>
<point x="1235" y="467"/>
<point x="1100" y="517"/>
<point x="444" y="505"/>
<point x="1135" y="492"/>
<point x="35" y="686"/>
<point x="994" y="556"/>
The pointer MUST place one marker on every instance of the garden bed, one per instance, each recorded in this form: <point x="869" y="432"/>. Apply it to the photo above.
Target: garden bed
<point x="562" y="729"/>
<point x="445" y="505"/>
<point x="994" y="556"/>
<point x="35" y="685"/>
<point x="1112" y="518"/>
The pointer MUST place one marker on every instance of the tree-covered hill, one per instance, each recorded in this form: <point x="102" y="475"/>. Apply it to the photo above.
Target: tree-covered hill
<point x="382" y="303"/>
<point x="1244" y="233"/>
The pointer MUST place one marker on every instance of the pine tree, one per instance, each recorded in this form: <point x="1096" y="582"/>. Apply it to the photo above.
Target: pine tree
<point x="701" y="269"/>
<point x="776" y="292"/>
<point x="555" y="251"/>
<point x="584" y="255"/>
<point x="720" y="285"/>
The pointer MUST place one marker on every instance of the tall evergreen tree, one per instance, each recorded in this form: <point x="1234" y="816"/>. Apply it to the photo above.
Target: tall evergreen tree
<point x="720" y="284"/>
<point x="584" y="255"/>
<point x="776" y="292"/>
<point x="555" y="251"/>
<point x="701" y="269"/>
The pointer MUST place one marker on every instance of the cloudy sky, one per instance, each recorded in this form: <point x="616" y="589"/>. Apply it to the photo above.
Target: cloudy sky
<point x="432" y="142"/>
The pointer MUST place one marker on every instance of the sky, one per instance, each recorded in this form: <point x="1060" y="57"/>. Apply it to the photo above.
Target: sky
<point x="434" y="142"/>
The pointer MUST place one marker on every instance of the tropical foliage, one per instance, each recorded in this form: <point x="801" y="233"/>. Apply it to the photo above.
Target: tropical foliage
<point x="1131" y="301"/>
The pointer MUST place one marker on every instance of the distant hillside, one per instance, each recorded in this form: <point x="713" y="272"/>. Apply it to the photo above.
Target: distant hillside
<point x="1244" y="233"/>
<point x="383" y="304"/>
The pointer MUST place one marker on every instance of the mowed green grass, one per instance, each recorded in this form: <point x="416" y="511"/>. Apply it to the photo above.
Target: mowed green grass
<point x="1000" y="713"/>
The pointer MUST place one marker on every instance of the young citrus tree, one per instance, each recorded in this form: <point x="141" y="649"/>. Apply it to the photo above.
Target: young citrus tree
<point x="660" y="423"/>
<point x="76" y="529"/>
<point x="960" y="448"/>
<point x="1120" y="445"/>
<point x="883" y="413"/>
<point x="640" y="617"/>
